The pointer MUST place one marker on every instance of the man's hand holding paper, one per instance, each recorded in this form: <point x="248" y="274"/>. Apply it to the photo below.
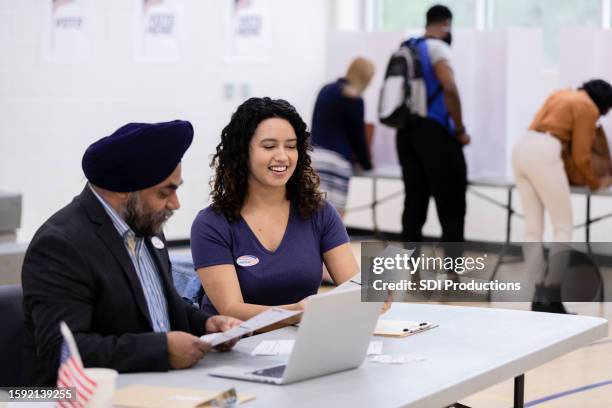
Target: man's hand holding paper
<point x="267" y="318"/>
<point x="220" y="324"/>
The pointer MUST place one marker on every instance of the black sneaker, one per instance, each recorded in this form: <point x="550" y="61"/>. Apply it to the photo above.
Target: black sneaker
<point x="546" y="300"/>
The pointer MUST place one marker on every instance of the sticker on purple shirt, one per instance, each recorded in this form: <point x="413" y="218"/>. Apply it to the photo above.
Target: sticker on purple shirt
<point x="247" y="260"/>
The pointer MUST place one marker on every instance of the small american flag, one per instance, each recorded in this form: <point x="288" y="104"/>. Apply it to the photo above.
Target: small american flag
<point x="71" y="373"/>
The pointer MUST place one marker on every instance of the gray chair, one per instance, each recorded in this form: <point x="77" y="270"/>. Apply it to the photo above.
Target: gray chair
<point x="185" y="278"/>
<point x="11" y="335"/>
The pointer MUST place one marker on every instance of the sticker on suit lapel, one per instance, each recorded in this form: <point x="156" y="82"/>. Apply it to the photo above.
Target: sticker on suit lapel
<point x="247" y="260"/>
<point x="157" y="243"/>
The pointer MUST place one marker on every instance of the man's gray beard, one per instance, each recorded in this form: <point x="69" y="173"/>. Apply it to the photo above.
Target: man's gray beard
<point x="144" y="223"/>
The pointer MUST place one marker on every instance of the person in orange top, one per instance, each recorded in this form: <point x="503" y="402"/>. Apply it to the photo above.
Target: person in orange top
<point x="554" y="151"/>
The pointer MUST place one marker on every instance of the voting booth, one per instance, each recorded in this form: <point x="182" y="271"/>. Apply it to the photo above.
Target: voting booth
<point x="500" y="78"/>
<point x="498" y="73"/>
<point x="584" y="55"/>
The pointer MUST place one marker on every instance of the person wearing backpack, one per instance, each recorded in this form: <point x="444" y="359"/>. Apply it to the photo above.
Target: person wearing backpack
<point x="430" y="129"/>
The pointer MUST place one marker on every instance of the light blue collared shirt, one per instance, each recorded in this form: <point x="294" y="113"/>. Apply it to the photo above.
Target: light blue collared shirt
<point x="145" y="269"/>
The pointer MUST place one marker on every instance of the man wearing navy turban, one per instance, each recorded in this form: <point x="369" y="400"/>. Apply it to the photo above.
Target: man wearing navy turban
<point x="101" y="264"/>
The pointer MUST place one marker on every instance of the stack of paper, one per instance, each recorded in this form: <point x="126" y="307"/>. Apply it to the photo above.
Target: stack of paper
<point x="284" y="347"/>
<point x="399" y="359"/>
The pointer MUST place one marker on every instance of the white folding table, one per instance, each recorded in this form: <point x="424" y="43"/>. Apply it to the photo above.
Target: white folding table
<point x="472" y="349"/>
<point x="395" y="173"/>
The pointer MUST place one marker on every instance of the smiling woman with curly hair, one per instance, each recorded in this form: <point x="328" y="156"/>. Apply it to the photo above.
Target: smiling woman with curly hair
<point x="231" y="162"/>
<point x="268" y="231"/>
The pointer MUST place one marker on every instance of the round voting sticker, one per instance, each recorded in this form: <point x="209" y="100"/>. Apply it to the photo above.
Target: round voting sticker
<point x="247" y="260"/>
<point x="157" y="243"/>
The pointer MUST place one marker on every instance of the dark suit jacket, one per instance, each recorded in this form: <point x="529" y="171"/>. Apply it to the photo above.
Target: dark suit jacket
<point x="77" y="269"/>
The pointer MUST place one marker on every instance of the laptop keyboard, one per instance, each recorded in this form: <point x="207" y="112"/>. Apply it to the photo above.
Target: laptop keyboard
<point x="275" y="372"/>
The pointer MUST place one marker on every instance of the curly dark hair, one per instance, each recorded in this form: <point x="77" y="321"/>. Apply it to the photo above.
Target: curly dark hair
<point x="600" y="92"/>
<point x="229" y="184"/>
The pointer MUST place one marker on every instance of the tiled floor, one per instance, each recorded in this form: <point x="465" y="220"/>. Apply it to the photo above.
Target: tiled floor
<point x="582" y="378"/>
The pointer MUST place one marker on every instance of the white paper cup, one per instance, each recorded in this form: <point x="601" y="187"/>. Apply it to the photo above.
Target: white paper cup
<point x="106" y="379"/>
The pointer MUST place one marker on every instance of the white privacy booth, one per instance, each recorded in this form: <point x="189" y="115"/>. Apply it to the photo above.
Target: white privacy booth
<point x="585" y="54"/>
<point x="499" y="74"/>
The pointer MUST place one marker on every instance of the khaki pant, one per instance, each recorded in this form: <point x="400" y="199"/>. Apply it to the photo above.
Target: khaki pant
<point x="543" y="185"/>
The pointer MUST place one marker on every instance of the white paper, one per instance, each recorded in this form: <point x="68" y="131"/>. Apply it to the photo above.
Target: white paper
<point x="375" y="348"/>
<point x="353" y="283"/>
<point x="270" y="316"/>
<point x="273" y="348"/>
<point x="66" y="31"/>
<point x="156" y="30"/>
<point x="249" y="31"/>
<point x="399" y="359"/>
<point x="284" y="347"/>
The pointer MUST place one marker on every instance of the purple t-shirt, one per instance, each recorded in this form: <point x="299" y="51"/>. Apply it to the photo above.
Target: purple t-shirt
<point x="284" y="276"/>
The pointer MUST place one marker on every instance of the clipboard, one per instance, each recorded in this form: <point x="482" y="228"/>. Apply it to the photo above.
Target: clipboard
<point x="401" y="328"/>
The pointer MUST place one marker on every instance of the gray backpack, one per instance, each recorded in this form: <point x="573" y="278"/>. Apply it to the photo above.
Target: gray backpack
<point x="403" y="95"/>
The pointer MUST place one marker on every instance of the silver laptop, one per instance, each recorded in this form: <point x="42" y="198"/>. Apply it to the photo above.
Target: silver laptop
<point x="333" y="336"/>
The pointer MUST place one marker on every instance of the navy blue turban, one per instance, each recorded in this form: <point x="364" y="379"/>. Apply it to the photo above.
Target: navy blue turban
<point x="137" y="155"/>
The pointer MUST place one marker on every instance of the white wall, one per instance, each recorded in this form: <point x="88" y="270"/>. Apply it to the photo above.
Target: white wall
<point x="51" y="113"/>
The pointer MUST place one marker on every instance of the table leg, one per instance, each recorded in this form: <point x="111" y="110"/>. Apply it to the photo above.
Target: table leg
<point x="509" y="217"/>
<point x="373" y="206"/>
<point x="587" y="230"/>
<point x="509" y="212"/>
<point x="519" y="391"/>
<point x="588" y="220"/>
